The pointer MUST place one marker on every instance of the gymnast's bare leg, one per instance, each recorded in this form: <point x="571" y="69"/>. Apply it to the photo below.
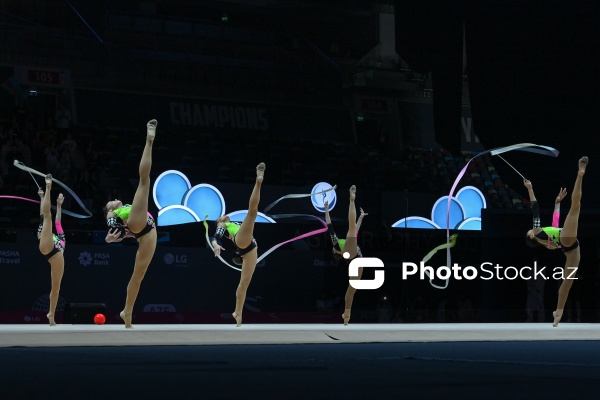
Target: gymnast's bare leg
<point x="568" y="237"/>
<point x="138" y="218"/>
<point x="243" y="239"/>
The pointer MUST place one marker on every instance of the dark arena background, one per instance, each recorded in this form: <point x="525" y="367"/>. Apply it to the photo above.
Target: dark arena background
<point x="396" y="97"/>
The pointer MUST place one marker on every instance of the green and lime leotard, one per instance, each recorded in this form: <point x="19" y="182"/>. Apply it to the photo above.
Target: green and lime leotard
<point x="120" y="222"/>
<point x="550" y="233"/>
<point x="232" y="229"/>
<point x="340" y="244"/>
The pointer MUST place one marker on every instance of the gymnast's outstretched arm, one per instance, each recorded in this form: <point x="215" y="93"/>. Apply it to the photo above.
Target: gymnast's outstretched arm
<point x="360" y="219"/>
<point x="535" y="208"/>
<point x="556" y="214"/>
<point x="332" y="235"/>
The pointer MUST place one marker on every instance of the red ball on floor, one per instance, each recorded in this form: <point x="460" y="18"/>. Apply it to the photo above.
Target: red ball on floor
<point x="99" y="319"/>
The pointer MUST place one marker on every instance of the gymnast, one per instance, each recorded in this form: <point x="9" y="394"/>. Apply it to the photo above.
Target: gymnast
<point x="134" y="220"/>
<point x="564" y="238"/>
<point x="347" y="245"/>
<point x="242" y="237"/>
<point x="52" y="246"/>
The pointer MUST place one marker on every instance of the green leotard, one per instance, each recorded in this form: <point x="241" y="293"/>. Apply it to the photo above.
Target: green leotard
<point x="232" y="228"/>
<point x="552" y="233"/>
<point x="123" y="212"/>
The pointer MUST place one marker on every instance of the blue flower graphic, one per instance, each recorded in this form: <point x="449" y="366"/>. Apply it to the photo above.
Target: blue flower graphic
<point x="180" y="203"/>
<point x="465" y="212"/>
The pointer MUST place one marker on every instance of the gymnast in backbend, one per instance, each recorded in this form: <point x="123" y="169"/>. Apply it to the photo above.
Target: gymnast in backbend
<point x="242" y="237"/>
<point x="52" y="246"/>
<point x="564" y="238"/>
<point x="134" y="220"/>
<point x="349" y="245"/>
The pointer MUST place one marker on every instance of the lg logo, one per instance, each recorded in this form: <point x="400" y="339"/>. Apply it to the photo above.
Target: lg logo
<point x="366" y="262"/>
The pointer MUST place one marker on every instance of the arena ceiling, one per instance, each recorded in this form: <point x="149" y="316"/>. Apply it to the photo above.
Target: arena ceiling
<point x="532" y="66"/>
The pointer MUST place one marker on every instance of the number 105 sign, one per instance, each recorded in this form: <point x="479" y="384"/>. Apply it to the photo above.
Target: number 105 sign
<point x="44" y="77"/>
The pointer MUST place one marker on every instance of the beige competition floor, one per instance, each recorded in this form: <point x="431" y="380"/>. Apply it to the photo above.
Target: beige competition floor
<point x="220" y="334"/>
